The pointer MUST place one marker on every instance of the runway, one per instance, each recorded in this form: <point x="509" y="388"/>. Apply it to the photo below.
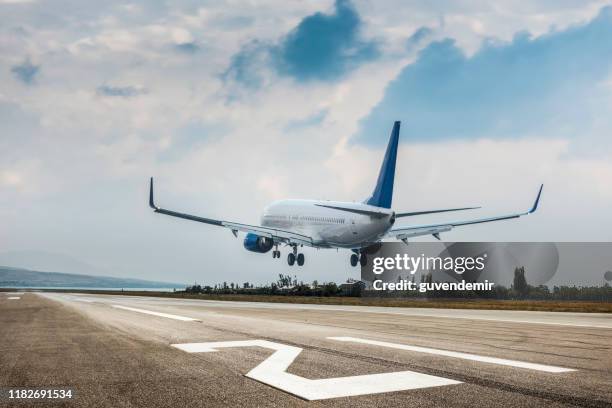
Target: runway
<point x="153" y="352"/>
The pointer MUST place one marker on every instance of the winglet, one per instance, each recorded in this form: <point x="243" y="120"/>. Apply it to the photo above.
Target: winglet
<point x="151" y="203"/>
<point x="535" y="204"/>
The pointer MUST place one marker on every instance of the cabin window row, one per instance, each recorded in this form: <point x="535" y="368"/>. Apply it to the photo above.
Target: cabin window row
<point x="330" y="220"/>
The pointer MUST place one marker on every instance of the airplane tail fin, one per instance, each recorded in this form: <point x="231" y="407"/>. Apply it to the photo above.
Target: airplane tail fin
<point x="383" y="192"/>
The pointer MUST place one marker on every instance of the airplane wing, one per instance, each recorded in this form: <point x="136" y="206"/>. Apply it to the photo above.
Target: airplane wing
<point x="278" y="235"/>
<point x="403" y="233"/>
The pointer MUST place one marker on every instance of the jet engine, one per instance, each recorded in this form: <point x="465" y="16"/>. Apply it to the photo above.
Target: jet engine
<point x="256" y="243"/>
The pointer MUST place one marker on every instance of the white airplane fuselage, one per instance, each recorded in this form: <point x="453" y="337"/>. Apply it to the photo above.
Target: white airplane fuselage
<point x="327" y="226"/>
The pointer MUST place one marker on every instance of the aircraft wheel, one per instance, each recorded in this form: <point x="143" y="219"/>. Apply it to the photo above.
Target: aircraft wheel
<point x="363" y="260"/>
<point x="300" y="259"/>
<point x="354" y="260"/>
<point x="291" y="259"/>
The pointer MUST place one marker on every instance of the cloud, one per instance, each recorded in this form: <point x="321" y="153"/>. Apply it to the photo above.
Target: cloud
<point x="184" y="41"/>
<point x="16" y="1"/>
<point x="543" y="85"/>
<point x="187" y="47"/>
<point x="120" y="91"/>
<point x="312" y="120"/>
<point x="419" y="36"/>
<point x="324" y="46"/>
<point x="321" y="47"/>
<point x="190" y="137"/>
<point x="245" y="66"/>
<point x="26" y="72"/>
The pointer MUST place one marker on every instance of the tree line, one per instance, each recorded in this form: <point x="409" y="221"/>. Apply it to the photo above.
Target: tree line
<point x="287" y="285"/>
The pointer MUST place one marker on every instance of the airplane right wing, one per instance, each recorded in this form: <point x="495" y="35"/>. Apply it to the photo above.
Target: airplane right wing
<point x="278" y="235"/>
<point x="403" y="233"/>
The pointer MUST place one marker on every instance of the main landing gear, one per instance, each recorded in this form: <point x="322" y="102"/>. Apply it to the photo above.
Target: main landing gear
<point x="294" y="257"/>
<point x="360" y="258"/>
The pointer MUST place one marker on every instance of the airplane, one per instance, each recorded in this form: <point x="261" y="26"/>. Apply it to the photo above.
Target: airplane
<point x="359" y="227"/>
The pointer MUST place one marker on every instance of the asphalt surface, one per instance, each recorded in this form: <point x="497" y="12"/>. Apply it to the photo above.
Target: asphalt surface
<point x="117" y="351"/>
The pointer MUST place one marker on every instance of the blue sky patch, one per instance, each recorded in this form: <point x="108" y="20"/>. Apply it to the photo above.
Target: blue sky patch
<point x="26" y="72"/>
<point x="503" y="90"/>
<point x="321" y="47"/>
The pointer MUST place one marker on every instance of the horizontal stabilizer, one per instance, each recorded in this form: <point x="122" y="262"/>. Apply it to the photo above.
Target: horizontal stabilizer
<point x="411" y="214"/>
<point x="375" y="214"/>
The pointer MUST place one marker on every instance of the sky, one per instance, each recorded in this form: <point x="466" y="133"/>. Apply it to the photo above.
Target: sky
<point x="231" y="105"/>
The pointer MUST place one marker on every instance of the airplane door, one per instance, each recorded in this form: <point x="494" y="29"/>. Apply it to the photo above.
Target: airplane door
<point x="354" y="227"/>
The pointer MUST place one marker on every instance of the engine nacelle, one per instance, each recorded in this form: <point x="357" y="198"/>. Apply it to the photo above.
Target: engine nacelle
<point x="256" y="243"/>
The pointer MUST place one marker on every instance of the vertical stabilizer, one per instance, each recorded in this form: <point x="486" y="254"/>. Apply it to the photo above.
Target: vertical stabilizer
<point x="383" y="192"/>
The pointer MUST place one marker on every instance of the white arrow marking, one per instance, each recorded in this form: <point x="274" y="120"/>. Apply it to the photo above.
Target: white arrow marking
<point x="465" y="356"/>
<point x="273" y="372"/>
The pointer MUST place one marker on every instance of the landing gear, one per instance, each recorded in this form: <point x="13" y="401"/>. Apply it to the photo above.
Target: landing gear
<point x="354" y="259"/>
<point x="294" y="256"/>
<point x="361" y="259"/>
<point x="276" y="252"/>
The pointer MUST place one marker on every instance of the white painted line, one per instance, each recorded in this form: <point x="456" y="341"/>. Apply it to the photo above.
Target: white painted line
<point x="455" y="354"/>
<point x="504" y="316"/>
<point x="273" y="372"/>
<point x="492" y="319"/>
<point x="14" y="298"/>
<point x="150" y="312"/>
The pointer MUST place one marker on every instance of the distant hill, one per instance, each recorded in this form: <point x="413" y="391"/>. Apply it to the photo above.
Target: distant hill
<point x="19" y="277"/>
<point x="45" y="261"/>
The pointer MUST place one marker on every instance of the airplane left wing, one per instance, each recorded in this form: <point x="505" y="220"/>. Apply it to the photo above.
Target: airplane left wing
<point x="278" y="235"/>
<point x="403" y="233"/>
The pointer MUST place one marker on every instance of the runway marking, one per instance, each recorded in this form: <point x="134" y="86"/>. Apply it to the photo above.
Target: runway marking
<point x="393" y="311"/>
<point x="150" y="312"/>
<point x="273" y="372"/>
<point x="455" y="354"/>
<point x="13" y="298"/>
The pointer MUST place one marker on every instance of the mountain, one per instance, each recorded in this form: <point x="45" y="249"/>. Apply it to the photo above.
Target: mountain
<point x="48" y="262"/>
<point x="19" y="277"/>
